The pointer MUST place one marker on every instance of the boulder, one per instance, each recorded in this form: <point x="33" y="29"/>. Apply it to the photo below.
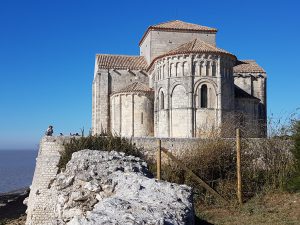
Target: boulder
<point x="100" y="187"/>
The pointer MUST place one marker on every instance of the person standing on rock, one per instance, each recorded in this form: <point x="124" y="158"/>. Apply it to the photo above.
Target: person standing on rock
<point x="49" y="131"/>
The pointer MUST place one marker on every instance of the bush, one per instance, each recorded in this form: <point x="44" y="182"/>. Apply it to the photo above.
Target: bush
<point x="265" y="164"/>
<point x="294" y="183"/>
<point x="101" y="142"/>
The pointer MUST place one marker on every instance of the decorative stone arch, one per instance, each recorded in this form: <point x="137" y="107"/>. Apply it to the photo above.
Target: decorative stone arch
<point x="185" y="68"/>
<point x="208" y="68"/>
<point x="172" y="69"/>
<point x="179" y="115"/>
<point x="177" y="69"/>
<point x="211" y="93"/>
<point x="172" y="86"/>
<point x="159" y="100"/>
<point x="196" y="68"/>
<point x="180" y="94"/>
<point x="214" y="69"/>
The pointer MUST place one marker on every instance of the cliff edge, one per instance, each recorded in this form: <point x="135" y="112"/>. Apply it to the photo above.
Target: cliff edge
<point x="101" y="187"/>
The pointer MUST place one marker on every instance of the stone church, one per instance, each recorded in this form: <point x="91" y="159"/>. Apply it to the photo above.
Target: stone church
<point x="181" y="85"/>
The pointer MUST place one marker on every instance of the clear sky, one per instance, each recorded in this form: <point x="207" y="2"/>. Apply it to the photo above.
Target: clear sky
<point x="48" y="47"/>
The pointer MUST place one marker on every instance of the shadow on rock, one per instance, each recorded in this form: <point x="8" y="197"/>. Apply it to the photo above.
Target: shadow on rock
<point x="11" y="204"/>
<point x="199" y="221"/>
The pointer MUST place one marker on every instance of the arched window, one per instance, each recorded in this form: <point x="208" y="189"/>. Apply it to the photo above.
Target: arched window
<point x="162" y="100"/>
<point x="200" y="69"/>
<point x="142" y="117"/>
<point x="183" y="65"/>
<point x="177" y="70"/>
<point x="203" y="94"/>
<point x="208" y="69"/>
<point x="185" y="69"/>
<point x="213" y="69"/>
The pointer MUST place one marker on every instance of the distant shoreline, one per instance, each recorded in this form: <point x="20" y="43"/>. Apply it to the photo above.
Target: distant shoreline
<point x="11" y="203"/>
<point x="16" y="169"/>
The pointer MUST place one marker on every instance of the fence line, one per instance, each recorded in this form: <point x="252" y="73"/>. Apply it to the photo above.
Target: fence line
<point x="189" y="171"/>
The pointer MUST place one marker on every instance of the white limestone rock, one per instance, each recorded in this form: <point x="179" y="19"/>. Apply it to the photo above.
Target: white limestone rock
<point x="101" y="187"/>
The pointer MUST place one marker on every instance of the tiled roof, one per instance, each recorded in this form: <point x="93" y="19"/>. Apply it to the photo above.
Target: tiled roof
<point x="135" y="87"/>
<point x="248" y="66"/>
<point x="240" y="93"/>
<point x="121" y="62"/>
<point x="195" y="46"/>
<point x="181" y="25"/>
<point x="178" y="25"/>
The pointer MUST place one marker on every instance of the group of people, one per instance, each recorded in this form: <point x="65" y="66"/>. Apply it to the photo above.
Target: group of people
<point x="49" y="132"/>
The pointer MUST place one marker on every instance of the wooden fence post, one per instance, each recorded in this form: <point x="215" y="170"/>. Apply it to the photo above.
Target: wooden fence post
<point x="238" y="165"/>
<point x="193" y="175"/>
<point x="159" y="159"/>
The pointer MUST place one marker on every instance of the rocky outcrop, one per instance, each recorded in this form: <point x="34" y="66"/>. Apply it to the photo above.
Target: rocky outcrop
<point x="101" y="187"/>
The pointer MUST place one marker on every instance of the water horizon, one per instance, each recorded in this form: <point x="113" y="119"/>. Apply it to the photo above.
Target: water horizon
<point x="16" y="169"/>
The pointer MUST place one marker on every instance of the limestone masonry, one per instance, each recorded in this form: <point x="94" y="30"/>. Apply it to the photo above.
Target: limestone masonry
<point x="103" y="188"/>
<point x="181" y="85"/>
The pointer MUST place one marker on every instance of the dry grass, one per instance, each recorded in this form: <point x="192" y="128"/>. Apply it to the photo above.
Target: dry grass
<point x="19" y="221"/>
<point x="103" y="142"/>
<point x="272" y="208"/>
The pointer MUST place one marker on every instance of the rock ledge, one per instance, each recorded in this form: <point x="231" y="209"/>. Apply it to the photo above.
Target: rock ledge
<point x="100" y="187"/>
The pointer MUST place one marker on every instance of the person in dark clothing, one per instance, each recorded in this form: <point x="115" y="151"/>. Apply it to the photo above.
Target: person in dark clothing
<point x="49" y="131"/>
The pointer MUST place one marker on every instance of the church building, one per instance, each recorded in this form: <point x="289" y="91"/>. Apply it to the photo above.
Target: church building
<point x="181" y="85"/>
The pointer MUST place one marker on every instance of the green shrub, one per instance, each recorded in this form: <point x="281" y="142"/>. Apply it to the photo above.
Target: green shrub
<point x="101" y="142"/>
<point x="294" y="183"/>
<point x="214" y="161"/>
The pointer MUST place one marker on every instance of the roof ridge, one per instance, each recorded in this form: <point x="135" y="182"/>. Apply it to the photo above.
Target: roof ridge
<point x="119" y="55"/>
<point x="194" y="43"/>
<point x="191" y="47"/>
<point x="107" y="61"/>
<point x="163" y="23"/>
<point x="248" y="66"/>
<point x="135" y="87"/>
<point x="178" y="26"/>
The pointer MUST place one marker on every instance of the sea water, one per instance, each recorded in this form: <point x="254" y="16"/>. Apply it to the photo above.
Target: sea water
<point x="16" y="169"/>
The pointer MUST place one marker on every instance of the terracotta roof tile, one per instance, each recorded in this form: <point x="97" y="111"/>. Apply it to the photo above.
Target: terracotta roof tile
<point x="181" y="25"/>
<point x="178" y="25"/>
<point x="121" y="62"/>
<point x="135" y="87"/>
<point x="248" y="66"/>
<point x="196" y="46"/>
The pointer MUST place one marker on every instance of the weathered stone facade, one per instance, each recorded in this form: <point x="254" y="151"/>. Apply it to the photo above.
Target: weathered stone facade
<point x="196" y="87"/>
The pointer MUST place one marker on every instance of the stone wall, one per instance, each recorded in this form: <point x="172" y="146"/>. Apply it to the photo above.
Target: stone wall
<point x="41" y="203"/>
<point x="107" y="81"/>
<point x="178" y="81"/>
<point x="132" y="114"/>
<point x="159" y="42"/>
<point x="177" y="146"/>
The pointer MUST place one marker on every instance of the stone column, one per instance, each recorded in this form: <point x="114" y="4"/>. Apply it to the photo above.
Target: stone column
<point x="190" y="93"/>
<point x="96" y="101"/>
<point x="132" y="120"/>
<point x="103" y="121"/>
<point x="168" y="104"/>
<point x="120" y="114"/>
<point x="219" y="93"/>
<point x="155" y="100"/>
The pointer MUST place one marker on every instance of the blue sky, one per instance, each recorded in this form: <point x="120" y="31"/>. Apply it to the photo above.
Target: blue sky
<point x="47" y="53"/>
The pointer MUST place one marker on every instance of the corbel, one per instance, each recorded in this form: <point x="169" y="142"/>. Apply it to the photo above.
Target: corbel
<point x="130" y="71"/>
